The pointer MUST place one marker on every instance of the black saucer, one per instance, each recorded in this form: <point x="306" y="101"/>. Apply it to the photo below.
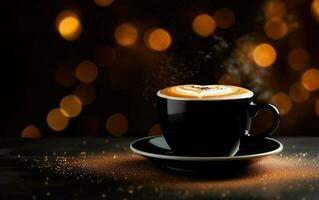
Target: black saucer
<point x="156" y="149"/>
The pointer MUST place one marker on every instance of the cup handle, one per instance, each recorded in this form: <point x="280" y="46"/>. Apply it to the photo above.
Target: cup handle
<point x="253" y="111"/>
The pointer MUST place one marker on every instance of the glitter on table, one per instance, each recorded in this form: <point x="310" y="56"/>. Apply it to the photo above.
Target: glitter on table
<point x="105" y="168"/>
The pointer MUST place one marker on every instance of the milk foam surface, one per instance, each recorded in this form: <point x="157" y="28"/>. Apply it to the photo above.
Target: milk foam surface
<point x="205" y="92"/>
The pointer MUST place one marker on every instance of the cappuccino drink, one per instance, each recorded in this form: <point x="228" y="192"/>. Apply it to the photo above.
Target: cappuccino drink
<point x="207" y="92"/>
<point x="209" y="120"/>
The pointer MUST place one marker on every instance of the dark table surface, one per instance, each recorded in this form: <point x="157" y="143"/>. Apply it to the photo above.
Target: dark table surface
<point x="105" y="168"/>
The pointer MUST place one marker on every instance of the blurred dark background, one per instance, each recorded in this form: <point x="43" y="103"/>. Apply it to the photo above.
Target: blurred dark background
<point x="92" y="68"/>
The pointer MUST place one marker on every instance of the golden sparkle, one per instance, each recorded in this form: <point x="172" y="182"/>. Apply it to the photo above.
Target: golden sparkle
<point x="204" y="25"/>
<point x="57" y="119"/>
<point x="298" y="93"/>
<point x="310" y="79"/>
<point x="68" y="25"/>
<point x="117" y="124"/>
<point x="126" y="34"/>
<point x="315" y="9"/>
<point x="282" y="102"/>
<point x="103" y="3"/>
<point x="276" y="28"/>
<point x="267" y="175"/>
<point x="86" y="71"/>
<point x="31" y="131"/>
<point x="71" y="106"/>
<point x="158" y="39"/>
<point x="264" y="55"/>
<point x="275" y="8"/>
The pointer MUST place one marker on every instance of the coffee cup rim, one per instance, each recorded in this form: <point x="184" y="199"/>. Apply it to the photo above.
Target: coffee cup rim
<point x="248" y="95"/>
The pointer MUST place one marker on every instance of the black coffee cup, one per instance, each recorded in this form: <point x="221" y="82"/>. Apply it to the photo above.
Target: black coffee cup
<point x="211" y="126"/>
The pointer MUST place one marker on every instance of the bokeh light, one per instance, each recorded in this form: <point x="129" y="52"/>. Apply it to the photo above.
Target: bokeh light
<point x="298" y="59"/>
<point x="276" y="28"/>
<point x="115" y="42"/>
<point x="71" y="105"/>
<point x="245" y="49"/>
<point x="57" y="119"/>
<point x="86" y="93"/>
<point x="31" y="131"/>
<point x="264" y="55"/>
<point x="282" y="102"/>
<point x="229" y="79"/>
<point x="204" y="25"/>
<point x="105" y="56"/>
<point x="158" y="39"/>
<point x="310" y="79"/>
<point x="298" y="93"/>
<point x="225" y="18"/>
<point x="65" y="76"/>
<point x="68" y="25"/>
<point x="155" y="130"/>
<point x="103" y="3"/>
<point x="117" y="124"/>
<point x="125" y="34"/>
<point x="86" y="71"/>
<point x="275" y="8"/>
<point x="315" y="9"/>
<point x="317" y="107"/>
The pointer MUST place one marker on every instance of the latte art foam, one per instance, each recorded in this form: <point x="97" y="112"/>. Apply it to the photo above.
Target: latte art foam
<point x="205" y="92"/>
